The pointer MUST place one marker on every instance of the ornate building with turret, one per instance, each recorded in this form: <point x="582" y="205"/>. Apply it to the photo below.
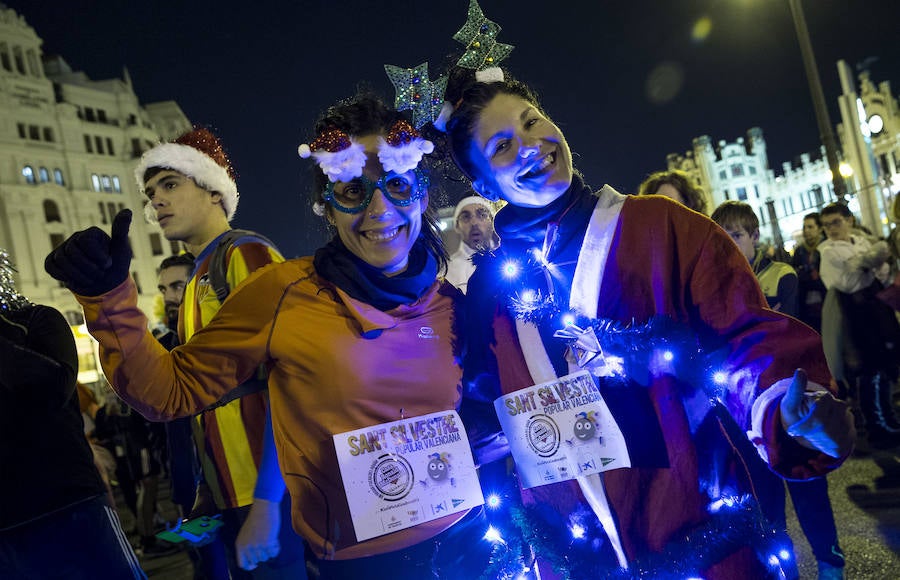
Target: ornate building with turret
<point x="870" y="143"/>
<point x="68" y="148"/>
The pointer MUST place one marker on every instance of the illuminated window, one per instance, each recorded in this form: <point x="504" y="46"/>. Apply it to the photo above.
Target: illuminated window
<point x="117" y="186"/>
<point x="58" y="177"/>
<point x="28" y="174"/>
<point x="44" y="174"/>
<point x="105" y="183"/>
<point x="95" y="182"/>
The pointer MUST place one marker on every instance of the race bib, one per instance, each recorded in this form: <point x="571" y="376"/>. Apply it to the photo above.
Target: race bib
<point x="561" y="430"/>
<point x="400" y="474"/>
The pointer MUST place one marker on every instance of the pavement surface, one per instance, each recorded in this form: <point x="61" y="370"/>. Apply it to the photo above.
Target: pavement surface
<point x="865" y="494"/>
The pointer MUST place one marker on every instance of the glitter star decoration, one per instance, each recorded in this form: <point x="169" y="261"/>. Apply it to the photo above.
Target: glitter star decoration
<point x="479" y="35"/>
<point x="415" y="91"/>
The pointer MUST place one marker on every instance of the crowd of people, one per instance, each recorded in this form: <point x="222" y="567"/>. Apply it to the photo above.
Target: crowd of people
<point x="353" y="413"/>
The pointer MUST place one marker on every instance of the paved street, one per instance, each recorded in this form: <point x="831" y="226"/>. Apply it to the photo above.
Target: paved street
<point x="865" y="493"/>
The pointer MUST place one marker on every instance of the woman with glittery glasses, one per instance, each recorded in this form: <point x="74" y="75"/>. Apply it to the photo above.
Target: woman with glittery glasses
<point x="363" y="355"/>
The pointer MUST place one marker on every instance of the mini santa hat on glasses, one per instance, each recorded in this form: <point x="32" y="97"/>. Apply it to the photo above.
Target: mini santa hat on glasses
<point x="197" y="154"/>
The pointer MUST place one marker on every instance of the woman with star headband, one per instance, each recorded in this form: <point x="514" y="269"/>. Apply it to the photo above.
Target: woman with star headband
<point x="362" y="350"/>
<point x="658" y="306"/>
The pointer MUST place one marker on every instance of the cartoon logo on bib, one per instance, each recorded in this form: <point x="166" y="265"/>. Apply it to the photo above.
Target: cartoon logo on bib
<point x="543" y="435"/>
<point x="438" y="466"/>
<point x="391" y="477"/>
<point x="585" y="427"/>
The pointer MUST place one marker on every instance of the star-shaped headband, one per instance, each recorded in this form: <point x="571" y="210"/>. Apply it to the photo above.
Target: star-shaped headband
<point x="479" y="36"/>
<point x="415" y="91"/>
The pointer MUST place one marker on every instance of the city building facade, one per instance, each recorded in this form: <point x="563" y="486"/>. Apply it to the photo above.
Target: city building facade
<point x="739" y="170"/>
<point x="68" y="148"/>
<point x="870" y="140"/>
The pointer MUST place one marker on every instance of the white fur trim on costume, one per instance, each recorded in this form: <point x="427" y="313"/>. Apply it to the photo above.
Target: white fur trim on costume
<point x="344" y="165"/>
<point x="197" y="165"/>
<point x="493" y="74"/>
<point x="761" y="405"/>
<point x="405" y="157"/>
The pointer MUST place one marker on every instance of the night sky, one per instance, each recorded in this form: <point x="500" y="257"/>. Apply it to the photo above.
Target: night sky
<point x="260" y="72"/>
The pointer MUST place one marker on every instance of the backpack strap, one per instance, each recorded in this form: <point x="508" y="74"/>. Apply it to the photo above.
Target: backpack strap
<point x="218" y="263"/>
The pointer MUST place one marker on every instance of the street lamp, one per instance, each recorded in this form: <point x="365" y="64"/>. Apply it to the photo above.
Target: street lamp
<point x="818" y="98"/>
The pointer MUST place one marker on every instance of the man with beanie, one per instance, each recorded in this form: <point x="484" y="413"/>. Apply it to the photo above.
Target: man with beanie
<point x="56" y="519"/>
<point x="193" y="196"/>
<point x="473" y="220"/>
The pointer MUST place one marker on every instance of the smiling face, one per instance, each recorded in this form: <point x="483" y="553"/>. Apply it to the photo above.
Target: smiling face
<point x="519" y="154"/>
<point x="382" y="234"/>
<point x="185" y="211"/>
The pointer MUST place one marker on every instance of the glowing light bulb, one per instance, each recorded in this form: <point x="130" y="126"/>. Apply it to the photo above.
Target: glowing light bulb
<point x="773" y="560"/>
<point x="720" y="378"/>
<point x="784" y="555"/>
<point x="511" y="269"/>
<point x="493" y="535"/>
<point x="493" y="501"/>
<point x="577" y="531"/>
<point x="568" y="320"/>
<point x="528" y="296"/>
<point x="668" y="356"/>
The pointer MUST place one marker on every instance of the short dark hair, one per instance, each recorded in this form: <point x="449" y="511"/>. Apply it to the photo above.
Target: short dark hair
<point x="836" y="208"/>
<point x="177" y="260"/>
<point x="731" y="213"/>
<point x="693" y="195"/>
<point x="366" y="114"/>
<point x="815" y="217"/>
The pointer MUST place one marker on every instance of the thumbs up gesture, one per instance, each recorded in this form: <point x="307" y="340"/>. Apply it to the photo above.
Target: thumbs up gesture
<point x="90" y="262"/>
<point x="816" y="419"/>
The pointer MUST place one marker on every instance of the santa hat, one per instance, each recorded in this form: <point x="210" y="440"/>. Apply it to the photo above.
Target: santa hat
<point x="471" y="200"/>
<point x="197" y="154"/>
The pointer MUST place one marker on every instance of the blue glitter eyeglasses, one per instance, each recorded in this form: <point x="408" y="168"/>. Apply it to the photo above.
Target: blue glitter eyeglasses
<point x="354" y="196"/>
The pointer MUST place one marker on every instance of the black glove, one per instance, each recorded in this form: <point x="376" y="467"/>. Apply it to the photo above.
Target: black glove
<point x="90" y="262"/>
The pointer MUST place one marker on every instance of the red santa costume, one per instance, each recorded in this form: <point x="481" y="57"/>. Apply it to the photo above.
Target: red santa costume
<point x="628" y="261"/>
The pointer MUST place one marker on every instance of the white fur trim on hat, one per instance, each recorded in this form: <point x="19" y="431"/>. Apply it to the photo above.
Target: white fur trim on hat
<point x="195" y="164"/>
<point x="471" y="200"/>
